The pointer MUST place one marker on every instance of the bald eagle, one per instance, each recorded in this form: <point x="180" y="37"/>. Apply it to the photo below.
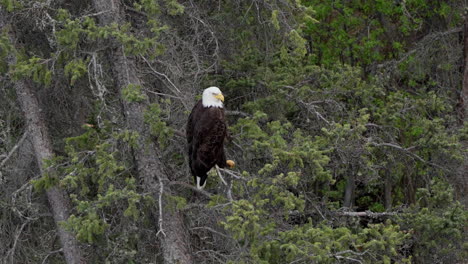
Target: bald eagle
<point x="206" y="131"/>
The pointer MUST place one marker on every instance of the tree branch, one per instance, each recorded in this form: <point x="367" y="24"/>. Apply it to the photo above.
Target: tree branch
<point x="160" y="220"/>
<point x="407" y="151"/>
<point x="366" y="214"/>
<point x="189" y="186"/>
<point x="12" y="151"/>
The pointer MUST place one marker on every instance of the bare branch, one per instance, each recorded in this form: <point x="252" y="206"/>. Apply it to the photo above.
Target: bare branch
<point x="13" y="150"/>
<point x="51" y="253"/>
<point x="211" y="230"/>
<point x="237" y="113"/>
<point x="163" y="94"/>
<point x="11" y="252"/>
<point x="189" y="186"/>
<point x="233" y="174"/>
<point x="160" y="220"/>
<point x="228" y="186"/>
<point x="420" y="45"/>
<point x="407" y="151"/>
<point x="366" y="214"/>
<point x="220" y="176"/>
<point x="177" y="91"/>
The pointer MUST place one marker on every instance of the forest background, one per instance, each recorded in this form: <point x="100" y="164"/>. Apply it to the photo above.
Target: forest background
<point x="348" y="124"/>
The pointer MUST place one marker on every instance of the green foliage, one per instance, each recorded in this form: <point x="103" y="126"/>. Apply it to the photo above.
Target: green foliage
<point x="45" y="182"/>
<point x="49" y="178"/>
<point x="87" y="229"/>
<point x="175" y="203"/>
<point x="154" y="117"/>
<point x="128" y="136"/>
<point x="85" y="30"/>
<point x="133" y="93"/>
<point x="75" y="69"/>
<point x="152" y="7"/>
<point x="5" y="49"/>
<point x="34" y="68"/>
<point x="377" y="243"/>
<point x="10" y="5"/>
<point x="350" y="32"/>
<point x="438" y="224"/>
<point x="274" y="19"/>
<point x="349" y="116"/>
<point x="337" y="96"/>
<point x="174" y="7"/>
<point x="100" y="185"/>
<point x="283" y="148"/>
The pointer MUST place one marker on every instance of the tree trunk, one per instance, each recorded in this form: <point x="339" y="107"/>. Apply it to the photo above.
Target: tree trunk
<point x="463" y="100"/>
<point x="349" y="190"/>
<point x="58" y="199"/>
<point x="388" y="191"/>
<point x="173" y="233"/>
<point x="37" y="131"/>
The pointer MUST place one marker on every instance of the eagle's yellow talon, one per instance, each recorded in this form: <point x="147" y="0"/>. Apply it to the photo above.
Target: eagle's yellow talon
<point x="230" y="163"/>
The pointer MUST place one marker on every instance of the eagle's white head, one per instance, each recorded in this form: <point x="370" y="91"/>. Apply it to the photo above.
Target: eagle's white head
<point x="212" y="97"/>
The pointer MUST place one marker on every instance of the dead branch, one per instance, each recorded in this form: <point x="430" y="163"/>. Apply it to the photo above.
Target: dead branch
<point x="233" y="174"/>
<point x="419" y="46"/>
<point x="408" y="152"/>
<point x="237" y="113"/>
<point x="11" y="252"/>
<point x="211" y="230"/>
<point x="228" y="191"/>
<point x="51" y="253"/>
<point x="160" y="220"/>
<point x="366" y="214"/>
<point x="189" y="186"/>
<point x="13" y="150"/>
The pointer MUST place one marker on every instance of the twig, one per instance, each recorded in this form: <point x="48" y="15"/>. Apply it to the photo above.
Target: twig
<point x="160" y="220"/>
<point x="219" y="174"/>
<point x="211" y="230"/>
<point x="407" y="151"/>
<point x="12" y="151"/>
<point x="213" y="254"/>
<point x="420" y="45"/>
<point x="366" y="213"/>
<point x="228" y="186"/>
<point x="161" y="74"/>
<point x="50" y="253"/>
<point x="237" y="113"/>
<point x="348" y="258"/>
<point x="189" y="186"/>
<point x="179" y="133"/>
<point x="338" y="255"/>
<point x="345" y="213"/>
<point x="167" y="95"/>
<point x="11" y="252"/>
<point x="230" y="172"/>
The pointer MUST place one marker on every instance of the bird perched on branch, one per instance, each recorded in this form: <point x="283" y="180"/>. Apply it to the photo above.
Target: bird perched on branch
<point x="206" y="131"/>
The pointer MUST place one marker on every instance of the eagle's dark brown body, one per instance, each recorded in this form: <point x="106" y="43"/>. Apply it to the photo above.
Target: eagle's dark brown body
<point x="206" y="130"/>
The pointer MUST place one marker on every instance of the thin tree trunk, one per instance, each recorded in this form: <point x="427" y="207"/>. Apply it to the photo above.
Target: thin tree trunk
<point x="37" y="131"/>
<point x="58" y="199"/>
<point x="173" y="233"/>
<point x="388" y="191"/>
<point x="463" y="100"/>
<point x="349" y="190"/>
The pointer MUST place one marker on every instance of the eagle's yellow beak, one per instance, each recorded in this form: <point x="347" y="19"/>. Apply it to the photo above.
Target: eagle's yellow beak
<point x="220" y="97"/>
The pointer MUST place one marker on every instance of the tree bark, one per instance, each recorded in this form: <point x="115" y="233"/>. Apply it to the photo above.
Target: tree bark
<point x="37" y="131"/>
<point x="349" y="190"/>
<point x="388" y="191"/>
<point x="463" y="100"/>
<point x="173" y="233"/>
<point x="58" y="199"/>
